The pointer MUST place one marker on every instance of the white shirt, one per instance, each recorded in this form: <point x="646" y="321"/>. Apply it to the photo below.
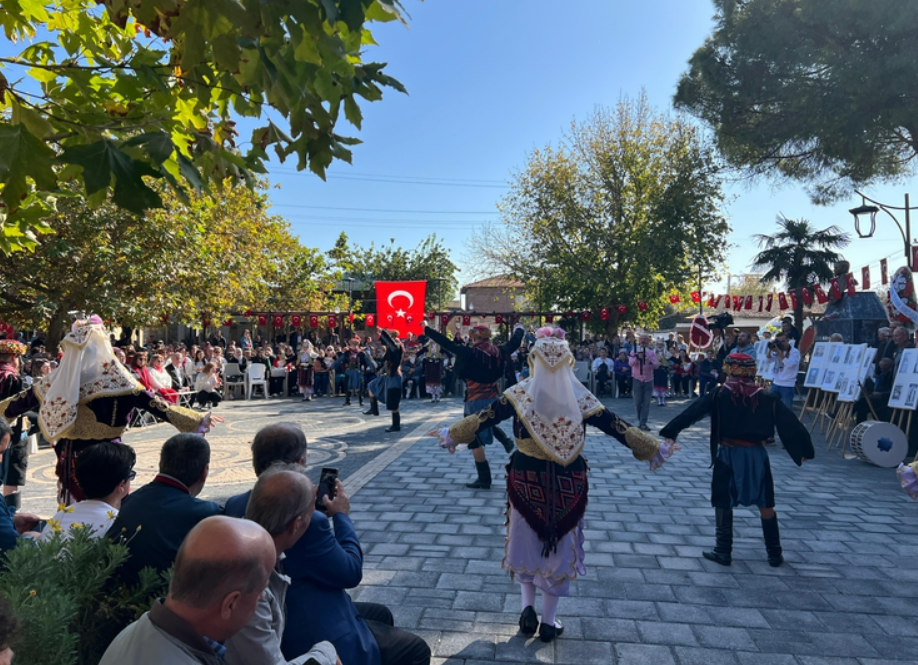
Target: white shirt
<point x="160" y="378"/>
<point x="91" y="514"/>
<point x="608" y="362"/>
<point x="786" y="368"/>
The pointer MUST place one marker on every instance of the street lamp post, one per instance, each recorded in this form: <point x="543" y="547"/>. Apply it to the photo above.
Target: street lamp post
<point x="869" y="209"/>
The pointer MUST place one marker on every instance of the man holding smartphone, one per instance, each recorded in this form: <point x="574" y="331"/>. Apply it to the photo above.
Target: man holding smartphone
<point x="787" y="364"/>
<point x="643" y="362"/>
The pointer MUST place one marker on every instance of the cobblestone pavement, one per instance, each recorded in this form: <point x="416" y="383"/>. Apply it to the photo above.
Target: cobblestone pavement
<point x="845" y="596"/>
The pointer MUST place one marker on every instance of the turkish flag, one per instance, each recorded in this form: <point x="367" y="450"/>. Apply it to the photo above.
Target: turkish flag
<point x="835" y="288"/>
<point x="444" y="319"/>
<point x="313" y="321"/>
<point x="228" y="323"/>
<point x="696" y="296"/>
<point x="248" y="312"/>
<point x="164" y="318"/>
<point x="622" y="310"/>
<point x="278" y="320"/>
<point x="371" y="321"/>
<point x="761" y="302"/>
<point x="549" y="318"/>
<point x="807" y="296"/>
<point x="711" y="300"/>
<point x="604" y="314"/>
<point x="820" y="294"/>
<point x="585" y="315"/>
<point x="8" y="332"/>
<point x="865" y="277"/>
<point x="793" y="299"/>
<point x="782" y="301"/>
<point x="332" y="321"/>
<point x="852" y="285"/>
<point x="466" y="320"/>
<point x="642" y="305"/>
<point x="674" y="298"/>
<point x="884" y="272"/>
<point x="769" y="301"/>
<point x="399" y="300"/>
<point x="296" y="320"/>
<point x="262" y="319"/>
<point x="350" y="317"/>
<point x="498" y="319"/>
<point x="748" y="302"/>
<point x="737" y="303"/>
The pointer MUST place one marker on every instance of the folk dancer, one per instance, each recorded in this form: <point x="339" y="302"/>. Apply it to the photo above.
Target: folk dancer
<point x="305" y="373"/>
<point x="547" y="476"/>
<point x="433" y="372"/>
<point x="388" y="382"/>
<point x="90" y="398"/>
<point x="15" y="462"/>
<point x="481" y="365"/>
<point x="354" y="361"/>
<point x="743" y="417"/>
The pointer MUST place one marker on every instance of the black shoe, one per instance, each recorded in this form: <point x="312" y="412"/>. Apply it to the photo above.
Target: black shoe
<point x="478" y="485"/>
<point x="772" y="541"/>
<point x="548" y="632"/>
<point x="484" y="477"/>
<point x="396" y="425"/>
<point x="529" y="621"/>
<point x="723" y="548"/>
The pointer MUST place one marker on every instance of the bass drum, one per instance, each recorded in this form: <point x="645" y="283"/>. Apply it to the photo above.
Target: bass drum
<point x="878" y="443"/>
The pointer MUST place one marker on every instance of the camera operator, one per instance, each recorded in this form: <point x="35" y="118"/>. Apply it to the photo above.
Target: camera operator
<point x="787" y="364"/>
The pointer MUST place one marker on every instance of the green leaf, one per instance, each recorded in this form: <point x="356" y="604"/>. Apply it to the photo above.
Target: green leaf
<point x="23" y="154"/>
<point x="331" y="11"/>
<point x="101" y="161"/>
<point x="158" y="144"/>
<point x="189" y="172"/>
<point x="352" y="111"/>
<point x="307" y="50"/>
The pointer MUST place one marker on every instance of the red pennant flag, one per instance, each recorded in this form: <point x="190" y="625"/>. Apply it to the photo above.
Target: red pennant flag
<point x="748" y="302"/>
<point x="514" y="319"/>
<point x="262" y="319"/>
<point x="585" y="315"/>
<point x="696" y="297"/>
<point x="761" y="302"/>
<point x="884" y="272"/>
<point x="793" y="299"/>
<point x="865" y="277"/>
<point x="296" y="320"/>
<point x="401" y="299"/>
<point x="769" y="301"/>
<point x="332" y="321"/>
<point x="371" y="321"/>
<point x="711" y="300"/>
<point x="498" y="319"/>
<point x="622" y="310"/>
<point x="248" y="312"/>
<point x="205" y="321"/>
<point x="432" y="316"/>
<point x="674" y="298"/>
<point x="549" y="318"/>
<point x="807" y="296"/>
<point x="466" y="320"/>
<point x="228" y="323"/>
<point x="444" y="320"/>
<point x="914" y="257"/>
<point x="835" y="288"/>
<point x="737" y="303"/>
<point x="642" y="305"/>
<point x="715" y="302"/>
<point x="852" y="285"/>
<point x="782" y="301"/>
<point x="164" y="318"/>
<point x="604" y="314"/>
<point x="278" y="320"/>
<point x="821" y="296"/>
<point x="313" y="321"/>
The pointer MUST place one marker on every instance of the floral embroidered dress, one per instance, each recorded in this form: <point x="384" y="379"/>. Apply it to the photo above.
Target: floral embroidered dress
<point x="547" y="482"/>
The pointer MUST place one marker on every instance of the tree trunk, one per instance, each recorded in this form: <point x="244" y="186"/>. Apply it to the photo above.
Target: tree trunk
<point x="798" y="315"/>
<point x="57" y="328"/>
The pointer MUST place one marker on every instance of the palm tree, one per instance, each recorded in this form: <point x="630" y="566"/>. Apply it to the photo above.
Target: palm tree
<point x="799" y="255"/>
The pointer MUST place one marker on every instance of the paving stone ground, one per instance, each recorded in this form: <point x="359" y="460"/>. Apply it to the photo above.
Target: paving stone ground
<point x="846" y="596"/>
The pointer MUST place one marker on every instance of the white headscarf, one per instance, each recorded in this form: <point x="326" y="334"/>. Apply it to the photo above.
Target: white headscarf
<point x="88" y="370"/>
<point x="552" y="402"/>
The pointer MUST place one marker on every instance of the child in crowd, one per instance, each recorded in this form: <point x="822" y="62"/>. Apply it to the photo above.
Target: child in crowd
<point x="661" y="375"/>
<point x="206" y="385"/>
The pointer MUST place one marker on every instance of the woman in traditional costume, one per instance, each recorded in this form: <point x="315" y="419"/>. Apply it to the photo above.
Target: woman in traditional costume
<point x="433" y="372"/>
<point x="547" y="475"/>
<point x="305" y="376"/>
<point x="90" y="398"/>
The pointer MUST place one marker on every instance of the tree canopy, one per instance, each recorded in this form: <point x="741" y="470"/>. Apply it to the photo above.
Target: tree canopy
<point x="194" y="261"/>
<point x="819" y="91"/>
<point x="430" y="260"/>
<point x="799" y="255"/>
<point x="627" y="208"/>
<point x="113" y="94"/>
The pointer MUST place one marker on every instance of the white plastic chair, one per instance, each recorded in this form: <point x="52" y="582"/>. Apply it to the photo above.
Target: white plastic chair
<point x="255" y="376"/>
<point x="280" y="373"/>
<point x="232" y="379"/>
<point x="583" y="373"/>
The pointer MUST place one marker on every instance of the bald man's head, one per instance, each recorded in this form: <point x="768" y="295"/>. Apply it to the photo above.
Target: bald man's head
<point x="219" y="557"/>
<point x="282" y="495"/>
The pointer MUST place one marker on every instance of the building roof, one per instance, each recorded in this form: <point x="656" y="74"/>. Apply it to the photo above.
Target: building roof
<point x="497" y="281"/>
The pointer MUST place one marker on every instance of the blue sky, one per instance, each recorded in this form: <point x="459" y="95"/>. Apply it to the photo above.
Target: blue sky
<point x="491" y="80"/>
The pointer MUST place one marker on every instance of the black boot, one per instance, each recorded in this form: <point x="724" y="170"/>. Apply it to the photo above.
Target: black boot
<point x="14" y="500"/>
<point x="484" y="477"/>
<point x="360" y="397"/>
<point x="772" y="541"/>
<point x="347" y="398"/>
<point x="723" y="548"/>
<point x="374" y="408"/>
<point x="396" y="422"/>
<point x="505" y="440"/>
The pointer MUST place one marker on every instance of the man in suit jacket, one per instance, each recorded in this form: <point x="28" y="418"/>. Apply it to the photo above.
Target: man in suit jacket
<point x="155" y="519"/>
<point x="322" y="564"/>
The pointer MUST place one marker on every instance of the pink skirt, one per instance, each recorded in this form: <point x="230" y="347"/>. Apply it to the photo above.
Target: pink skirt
<point x="523" y="556"/>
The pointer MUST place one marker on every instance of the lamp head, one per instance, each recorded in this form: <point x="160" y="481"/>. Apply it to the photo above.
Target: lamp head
<point x="869" y="212"/>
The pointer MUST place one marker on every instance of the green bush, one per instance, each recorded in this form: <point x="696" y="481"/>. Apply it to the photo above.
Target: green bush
<point x="70" y="604"/>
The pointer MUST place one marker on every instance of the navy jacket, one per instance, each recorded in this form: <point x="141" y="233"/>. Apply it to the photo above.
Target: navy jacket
<point x="166" y="514"/>
<point x="321" y="565"/>
<point x="8" y="534"/>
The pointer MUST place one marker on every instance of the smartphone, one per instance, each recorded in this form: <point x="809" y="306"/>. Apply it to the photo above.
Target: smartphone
<point x="326" y="486"/>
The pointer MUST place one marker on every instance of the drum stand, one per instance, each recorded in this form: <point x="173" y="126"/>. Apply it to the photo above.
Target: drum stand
<point x="840" y="426"/>
<point x="808" y="403"/>
<point x="899" y="420"/>
<point x="822" y="411"/>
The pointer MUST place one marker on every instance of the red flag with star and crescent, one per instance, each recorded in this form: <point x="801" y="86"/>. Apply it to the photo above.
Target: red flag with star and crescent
<point x="401" y="301"/>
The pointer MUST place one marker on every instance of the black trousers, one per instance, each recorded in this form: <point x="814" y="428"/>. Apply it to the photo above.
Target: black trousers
<point x="204" y="397"/>
<point x="396" y="646"/>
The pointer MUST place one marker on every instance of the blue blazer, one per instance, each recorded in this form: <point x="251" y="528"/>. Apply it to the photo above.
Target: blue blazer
<point x="322" y="565"/>
<point x="166" y="514"/>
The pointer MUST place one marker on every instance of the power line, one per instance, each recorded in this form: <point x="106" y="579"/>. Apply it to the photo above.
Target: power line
<point x="404" y="180"/>
<point x="386" y="210"/>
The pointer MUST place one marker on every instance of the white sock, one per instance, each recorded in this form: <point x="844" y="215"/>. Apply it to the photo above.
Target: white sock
<point x="549" y="607"/>
<point x="527" y="590"/>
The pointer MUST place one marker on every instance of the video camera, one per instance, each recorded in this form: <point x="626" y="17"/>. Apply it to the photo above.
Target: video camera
<point x="720" y="321"/>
